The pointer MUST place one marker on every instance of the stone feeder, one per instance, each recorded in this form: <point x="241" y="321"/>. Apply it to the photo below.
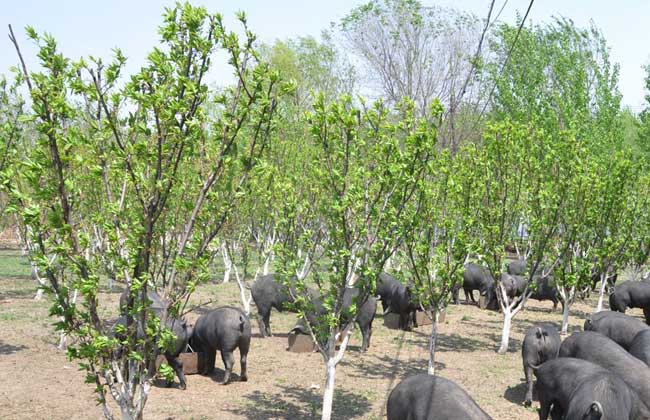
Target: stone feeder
<point x="190" y="362"/>
<point x="391" y="320"/>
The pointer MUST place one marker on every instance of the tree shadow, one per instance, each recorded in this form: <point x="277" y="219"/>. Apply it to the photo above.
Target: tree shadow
<point x="23" y="293"/>
<point x="386" y="367"/>
<point x="218" y="374"/>
<point x="10" y="348"/>
<point x="299" y="403"/>
<point x="451" y="342"/>
<point x="275" y="335"/>
<point x="516" y="394"/>
<point x="548" y="310"/>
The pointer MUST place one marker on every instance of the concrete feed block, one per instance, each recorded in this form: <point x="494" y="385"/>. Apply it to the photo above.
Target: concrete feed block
<point x="422" y="319"/>
<point x="442" y="316"/>
<point x="190" y="362"/>
<point x="391" y="321"/>
<point x="300" y="343"/>
<point x="482" y="302"/>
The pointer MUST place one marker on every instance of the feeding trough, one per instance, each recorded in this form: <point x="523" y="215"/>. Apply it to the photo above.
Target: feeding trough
<point x="190" y="362"/>
<point x="391" y="320"/>
<point x="300" y="343"/>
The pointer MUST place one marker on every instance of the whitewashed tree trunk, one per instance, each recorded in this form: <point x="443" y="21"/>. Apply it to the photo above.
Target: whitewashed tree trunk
<point x="510" y="309"/>
<point x="328" y="393"/>
<point x="227" y="263"/>
<point x="565" y="318"/>
<point x="267" y="263"/>
<point x="432" y="343"/>
<point x="39" y="280"/>
<point x="601" y="293"/>
<point x="330" y="373"/>
<point x="505" y="333"/>
<point x="246" y="300"/>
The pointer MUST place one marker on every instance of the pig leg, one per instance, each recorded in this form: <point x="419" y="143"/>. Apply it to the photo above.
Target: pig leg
<point x="243" y="362"/>
<point x="528" y="371"/>
<point x="228" y="362"/>
<point x="177" y="365"/>
<point x="267" y="322"/>
<point x="544" y="407"/>
<point x="202" y="360"/>
<point x="366" y="332"/>
<point x="261" y="323"/>
<point x="209" y="359"/>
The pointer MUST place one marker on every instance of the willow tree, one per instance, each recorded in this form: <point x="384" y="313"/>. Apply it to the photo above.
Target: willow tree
<point x="362" y="171"/>
<point x="143" y="169"/>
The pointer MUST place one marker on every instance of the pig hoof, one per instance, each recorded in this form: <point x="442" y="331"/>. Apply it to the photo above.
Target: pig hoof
<point x="244" y="378"/>
<point x="183" y="386"/>
<point x="528" y="403"/>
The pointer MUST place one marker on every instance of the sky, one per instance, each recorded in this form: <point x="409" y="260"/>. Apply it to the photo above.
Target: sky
<point x="84" y="27"/>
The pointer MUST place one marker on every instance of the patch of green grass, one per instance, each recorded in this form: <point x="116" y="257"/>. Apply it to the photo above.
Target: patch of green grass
<point x="8" y="317"/>
<point x="13" y="265"/>
<point x="466" y="318"/>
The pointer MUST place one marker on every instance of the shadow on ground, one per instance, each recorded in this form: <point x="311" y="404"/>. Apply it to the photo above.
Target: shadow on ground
<point x="384" y="366"/>
<point x="517" y="393"/>
<point x="301" y="404"/>
<point x="24" y="293"/>
<point x="6" y="348"/>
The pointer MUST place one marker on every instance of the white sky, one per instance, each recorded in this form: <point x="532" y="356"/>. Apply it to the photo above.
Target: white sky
<point x="85" y="27"/>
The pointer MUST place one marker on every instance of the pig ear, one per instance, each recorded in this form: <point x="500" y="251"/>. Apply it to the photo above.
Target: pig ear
<point x="596" y="410"/>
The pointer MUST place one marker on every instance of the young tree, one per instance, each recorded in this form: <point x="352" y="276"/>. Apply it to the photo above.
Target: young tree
<point x="145" y="169"/>
<point x="362" y="172"/>
<point x="439" y="235"/>
<point x="614" y="217"/>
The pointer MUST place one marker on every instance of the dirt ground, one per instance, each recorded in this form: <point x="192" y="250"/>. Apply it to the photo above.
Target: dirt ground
<point x="39" y="382"/>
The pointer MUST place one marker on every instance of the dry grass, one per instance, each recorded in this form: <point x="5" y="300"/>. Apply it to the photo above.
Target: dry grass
<point x="39" y="382"/>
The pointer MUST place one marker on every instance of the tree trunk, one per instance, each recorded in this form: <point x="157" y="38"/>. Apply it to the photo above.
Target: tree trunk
<point x="267" y="263"/>
<point x="63" y="337"/>
<point x="432" y="343"/>
<point x="601" y="294"/>
<point x="505" y="333"/>
<point x="328" y="394"/>
<point x="566" y="298"/>
<point x="39" y="280"/>
<point x="246" y="300"/>
<point x="565" y="318"/>
<point x="227" y="263"/>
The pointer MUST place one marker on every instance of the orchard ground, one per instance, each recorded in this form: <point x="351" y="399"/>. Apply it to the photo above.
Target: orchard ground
<point x="40" y="382"/>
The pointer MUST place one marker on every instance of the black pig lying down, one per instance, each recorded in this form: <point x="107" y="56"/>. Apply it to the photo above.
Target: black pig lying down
<point x="596" y="348"/>
<point x="640" y="347"/>
<point x="427" y="397"/>
<point x="541" y="343"/>
<point x="223" y="329"/>
<point x="575" y="389"/>
<point x="631" y="294"/>
<point x="617" y="326"/>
